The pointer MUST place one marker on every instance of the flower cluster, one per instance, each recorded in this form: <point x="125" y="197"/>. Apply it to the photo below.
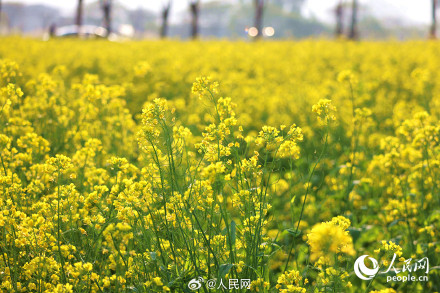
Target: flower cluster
<point x="324" y="111"/>
<point x="330" y="238"/>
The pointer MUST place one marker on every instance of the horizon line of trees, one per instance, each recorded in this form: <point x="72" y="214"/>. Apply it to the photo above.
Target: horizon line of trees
<point x="259" y="6"/>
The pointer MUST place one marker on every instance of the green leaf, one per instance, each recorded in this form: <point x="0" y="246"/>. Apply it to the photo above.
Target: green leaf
<point x="355" y="233"/>
<point x="395" y="222"/>
<point x="224" y="269"/>
<point x="294" y="232"/>
<point x="233" y="232"/>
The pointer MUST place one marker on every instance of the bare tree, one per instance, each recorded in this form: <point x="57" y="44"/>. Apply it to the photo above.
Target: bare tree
<point x="339" y="19"/>
<point x="194" y="6"/>
<point x="433" y="30"/>
<point x="165" y="13"/>
<point x="353" y="35"/>
<point x="259" y="9"/>
<point x="107" y="9"/>
<point x="79" y="16"/>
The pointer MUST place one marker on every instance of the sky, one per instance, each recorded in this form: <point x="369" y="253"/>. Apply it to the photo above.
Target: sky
<point x="414" y="11"/>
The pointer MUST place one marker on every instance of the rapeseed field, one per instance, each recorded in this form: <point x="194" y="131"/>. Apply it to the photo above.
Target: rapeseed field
<point x="169" y="166"/>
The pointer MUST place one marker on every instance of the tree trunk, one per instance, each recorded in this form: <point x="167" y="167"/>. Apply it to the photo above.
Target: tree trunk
<point x="195" y="7"/>
<point x="259" y="9"/>
<point x="353" y="28"/>
<point x="79" y="16"/>
<point x="107" y="8"/>
<point x="433" y="31"/>
<point x="164" y="26"/>
<point x="339" y="20"/>
<point x="0" y="14"/>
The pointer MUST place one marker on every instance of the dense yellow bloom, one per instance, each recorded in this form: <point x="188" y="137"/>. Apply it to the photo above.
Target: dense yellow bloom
<point x="291" y="281"/>
<point x="387" y="290"/>
<point x="9" y="71"/>
<point x="390" y="247"/>
<point x="347" y="76"/>
<point x="204" y="86"/>
<point x="329" y="238"/>
<point x="325" y="111"/>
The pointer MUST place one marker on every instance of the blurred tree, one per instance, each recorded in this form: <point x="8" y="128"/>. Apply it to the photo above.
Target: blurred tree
<point x="353" y="35"/>
<point x="215" y="18"/>
<point x="433" y="31"/>
<point x="290" y="6"/>
<point x="373" y="28"/>
<point x="106" y="6"/>
<point x="52" y="30"/>
<point x="0" y="12"/>
<point x="79" y="15"/>
<point x="259" y="9"/>
<point x="286" y="24"/>
<point x="165" y="13"/>
<point x="339" y="19"/>
<point x="140" y="19"/>
<point x="194" y="6"/>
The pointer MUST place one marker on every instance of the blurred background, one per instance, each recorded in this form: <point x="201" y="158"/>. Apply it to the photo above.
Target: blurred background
<point x="231" y="19"/>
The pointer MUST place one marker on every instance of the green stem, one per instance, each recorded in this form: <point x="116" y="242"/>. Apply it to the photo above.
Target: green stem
<point x="305" y="196"/>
